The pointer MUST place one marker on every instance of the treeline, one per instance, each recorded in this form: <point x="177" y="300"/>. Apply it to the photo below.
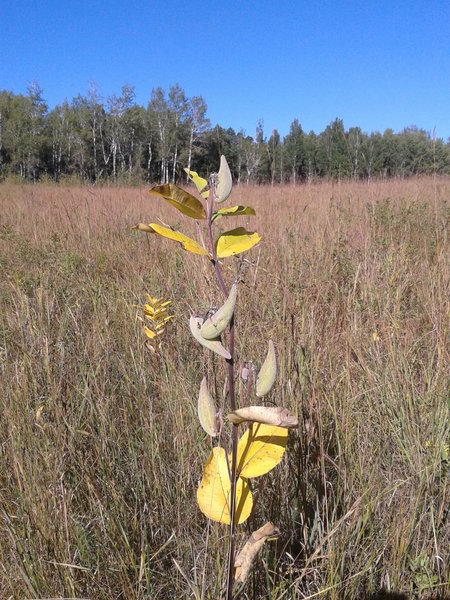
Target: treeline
<point x="115" y="139"/>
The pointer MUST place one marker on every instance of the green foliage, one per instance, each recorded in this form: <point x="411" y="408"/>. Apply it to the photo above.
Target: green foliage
<point x="114" y="139"/>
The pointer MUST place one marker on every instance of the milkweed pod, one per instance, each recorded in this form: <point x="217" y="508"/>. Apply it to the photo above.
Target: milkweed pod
<point x="224" y="181"/>
<point x="219" y="321"/>
<point x="267" y="373"/>
<point x="216" y="346"/>
<point x="207" y="413"/>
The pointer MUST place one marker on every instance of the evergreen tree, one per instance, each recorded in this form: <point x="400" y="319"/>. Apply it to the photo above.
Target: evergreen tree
<point x="295" y="153"/>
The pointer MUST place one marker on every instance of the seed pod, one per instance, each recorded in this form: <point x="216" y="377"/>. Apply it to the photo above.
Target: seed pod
<point x="207" y="413"/>
<point x="219" y="321"/>
<point x="216" y="346"/>
<point x="269" y="415"/>
<point x="224" y="181"/>
<point x="267" y="373"/>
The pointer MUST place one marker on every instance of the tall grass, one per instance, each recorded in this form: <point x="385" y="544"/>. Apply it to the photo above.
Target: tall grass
<point x="100" y="449"/>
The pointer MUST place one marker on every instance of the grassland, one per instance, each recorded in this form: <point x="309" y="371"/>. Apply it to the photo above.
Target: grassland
<point x="100" y="447"/>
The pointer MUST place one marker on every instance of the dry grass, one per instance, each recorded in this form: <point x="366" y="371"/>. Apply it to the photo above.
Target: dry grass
<point x="97" y="492"/>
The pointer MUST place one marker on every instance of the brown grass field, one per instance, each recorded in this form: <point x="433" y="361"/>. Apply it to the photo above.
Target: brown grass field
<point x="101" y="451"/>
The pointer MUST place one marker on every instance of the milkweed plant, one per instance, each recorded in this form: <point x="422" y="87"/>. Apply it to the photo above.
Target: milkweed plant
<point x="224" y="494"/>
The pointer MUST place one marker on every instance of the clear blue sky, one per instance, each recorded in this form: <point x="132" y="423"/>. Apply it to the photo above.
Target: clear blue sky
<point x="375" y="64"/>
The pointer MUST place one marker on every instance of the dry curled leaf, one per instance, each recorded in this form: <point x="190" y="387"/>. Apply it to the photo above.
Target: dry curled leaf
<point x="244" y="560"/>
<point x="270" y="415"/>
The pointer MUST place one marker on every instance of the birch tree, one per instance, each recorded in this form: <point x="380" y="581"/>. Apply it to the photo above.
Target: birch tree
<point x="198" y="124"/>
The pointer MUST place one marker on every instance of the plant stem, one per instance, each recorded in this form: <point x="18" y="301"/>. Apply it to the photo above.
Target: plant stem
<point x="234" y="434"/>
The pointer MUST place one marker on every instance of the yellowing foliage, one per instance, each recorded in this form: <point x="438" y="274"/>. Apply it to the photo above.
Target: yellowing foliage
<point x="235" y="242"/>
<point x="260" y="449"/>
<point x="156" y="317"/>
<point x="213" y="494"/>
<point x="183" y="201"/>
<point x="188" y="244"/>
<point x="233" y="211"/>
<point x="200" y="183"/>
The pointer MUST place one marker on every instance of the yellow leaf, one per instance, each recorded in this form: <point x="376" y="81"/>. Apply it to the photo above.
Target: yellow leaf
<point x="143" y="227"/>
<point x="260" y="449"/>
<point x="149" y="332"/>
<point x="154" y="301"/>
<point x="188" y="244"/>
<point x="39" y="412"/>
<point x="235" y="242"/>
<point x="213" y="494"/>
<point x="234" y="211"/>
<point x="183" y="201"/>
<point x="166" y="319"/>
<point x="199" y="182"/>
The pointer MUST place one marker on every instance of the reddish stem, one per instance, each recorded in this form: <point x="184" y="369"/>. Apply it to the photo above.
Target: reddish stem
<point x="234" y="435"/>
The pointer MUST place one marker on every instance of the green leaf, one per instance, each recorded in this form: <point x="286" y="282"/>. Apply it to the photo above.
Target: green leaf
<point x="199" y="182"/>
<point x="187" y="243"/>
<point x="234" y="211"/>
<point x="235" y="242"/>
<point x="260" y="449"/>
<point x="183" y="201"/>
<point x="213" y="494"/>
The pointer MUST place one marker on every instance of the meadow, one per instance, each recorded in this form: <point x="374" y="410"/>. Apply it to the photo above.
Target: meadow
<point x="101" y="451"/>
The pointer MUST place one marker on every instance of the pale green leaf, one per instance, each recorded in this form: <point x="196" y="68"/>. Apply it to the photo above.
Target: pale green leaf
<point x="234" y="211"/>
<point x="235" y="242"/>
